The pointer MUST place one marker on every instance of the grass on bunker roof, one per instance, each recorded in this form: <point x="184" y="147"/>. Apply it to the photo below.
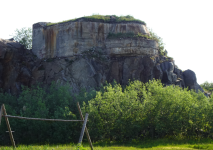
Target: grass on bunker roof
<point x="102" y="18"/>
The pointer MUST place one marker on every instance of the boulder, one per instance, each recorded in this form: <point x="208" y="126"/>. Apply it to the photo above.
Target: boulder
<point x="190" y="81"/>
<point x="189" y="78"/>
<point x="169" y="76"/>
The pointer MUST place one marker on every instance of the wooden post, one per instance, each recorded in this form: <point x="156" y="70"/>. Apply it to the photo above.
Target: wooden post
<point x="83" y="128"/>
<point x="1" y="112"/>
<point x="8" y="126"/>
<point x="87" y="133"/>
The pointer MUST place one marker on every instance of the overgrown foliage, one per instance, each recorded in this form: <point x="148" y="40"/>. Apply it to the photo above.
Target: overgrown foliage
<point x="116" y="113"/>
<point x="53" y="103"/>
<point x="106" y="18"/>
<point x="208" y="87"/>
<point x="154" y="36"/>
<point x="24" y="37"/>
<point x="149" y="111"/>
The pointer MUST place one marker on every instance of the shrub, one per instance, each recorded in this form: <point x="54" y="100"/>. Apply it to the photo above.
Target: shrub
<point x="208" y="87"/>
<point x="159" y="40"/>
<point x="148" y="111"/>
<point x="24" y="37"/>
<point x="54" y="102"/>
<point x="122" y="113"/>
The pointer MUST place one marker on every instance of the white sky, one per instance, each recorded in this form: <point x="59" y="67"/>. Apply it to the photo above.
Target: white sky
<point x="186" y="26"/>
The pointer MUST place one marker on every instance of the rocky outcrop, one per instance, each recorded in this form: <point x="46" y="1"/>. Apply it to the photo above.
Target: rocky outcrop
<point x="90" y="69"/>
<point x="190" y="80"/>
<point x="15" y="66"/>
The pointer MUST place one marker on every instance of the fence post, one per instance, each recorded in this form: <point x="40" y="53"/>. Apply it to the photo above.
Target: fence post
<point x="8" y="126"/>
<point x="87" y="132"/>
<point x="1" y="112"/>
<point x="83" y="128"/>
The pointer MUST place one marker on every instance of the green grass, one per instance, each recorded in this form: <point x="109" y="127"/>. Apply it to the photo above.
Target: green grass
<point x="161" y="144"/>
<point x="103" y="18"/>
<point x="158" y="144"/>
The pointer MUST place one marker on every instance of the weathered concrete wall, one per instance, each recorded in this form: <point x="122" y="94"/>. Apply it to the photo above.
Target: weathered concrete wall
<point x="135" y="46"/>
<point x="72" y="38"/>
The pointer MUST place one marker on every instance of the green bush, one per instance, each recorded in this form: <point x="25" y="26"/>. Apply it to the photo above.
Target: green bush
<point x="208" y="87"/>
<point x="136" y="111"/>
<point x="53" y="103"/>
<point x="148" y="111"/>
<point x="24" y="37"/>
<point x="155" y="37"/>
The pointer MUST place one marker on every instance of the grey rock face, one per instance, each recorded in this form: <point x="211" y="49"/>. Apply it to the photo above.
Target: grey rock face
<point x="168" y="72"/>
<point x="12" y="70"/>
<point x="89" y="69"/>
<point x="82" y="73"/>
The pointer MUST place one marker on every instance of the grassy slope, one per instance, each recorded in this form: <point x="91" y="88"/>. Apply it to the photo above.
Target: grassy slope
<point x="106" y="18"/>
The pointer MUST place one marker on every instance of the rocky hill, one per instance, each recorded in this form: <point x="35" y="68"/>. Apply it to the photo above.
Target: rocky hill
<point x="85" y="54"/>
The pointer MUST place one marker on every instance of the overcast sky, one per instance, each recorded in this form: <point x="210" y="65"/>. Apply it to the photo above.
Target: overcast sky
<point x="186" y="26"/>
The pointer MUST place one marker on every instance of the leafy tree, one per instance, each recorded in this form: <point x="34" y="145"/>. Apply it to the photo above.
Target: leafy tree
<point x="207" y="86"/>
<point x="54" y="102"/>
<point x="148" y="110"/>
<point x="24" y="37"/>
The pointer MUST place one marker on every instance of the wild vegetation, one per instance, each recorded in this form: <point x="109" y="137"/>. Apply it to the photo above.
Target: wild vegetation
<point x="154" y="36"/>
<point x="148" y="111"/>
<point x="54" y="102"/>
<point x="106" y="18"/>
<point x="136" y="112"/>
<point x="207" y="87"/>
<point x="24" y="37"/>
